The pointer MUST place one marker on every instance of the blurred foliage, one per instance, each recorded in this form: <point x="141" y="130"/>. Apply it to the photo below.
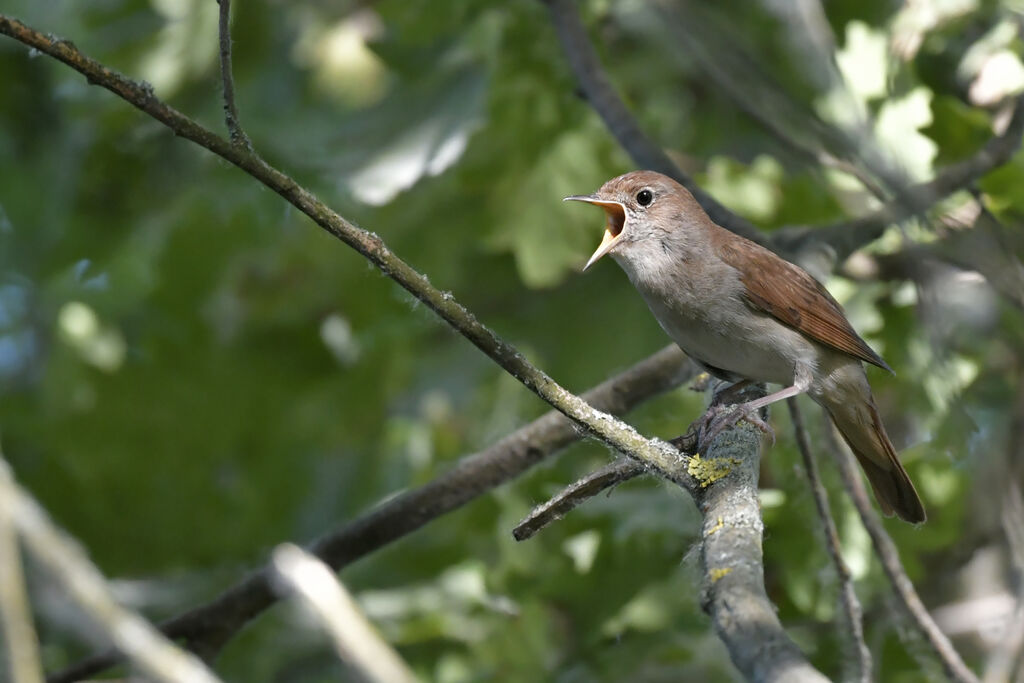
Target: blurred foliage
<point x="191" y="373"/>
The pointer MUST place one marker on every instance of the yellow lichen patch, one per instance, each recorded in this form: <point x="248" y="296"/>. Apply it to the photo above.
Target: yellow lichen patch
<point x="708" y="471"/>
<point x="716" y="528"/>
<point x="718" y="572"/>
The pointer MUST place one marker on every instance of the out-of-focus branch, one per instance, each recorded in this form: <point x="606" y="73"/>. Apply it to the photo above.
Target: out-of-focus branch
<point x="141" y="643"/>
<point x="1008" y="654"/>
<point x="737" y="75"/>
<point x="889" y="558"/>
<point x="231" y="120"/>
<point x="601" y="94"/>
<point x="851" y="608"/>
<point x="208" y="626"/>
<point x="355" y="639"/>
<point x="848" y="236"/>
<point x="693" y="33"/>
<point x="19" y="635"/>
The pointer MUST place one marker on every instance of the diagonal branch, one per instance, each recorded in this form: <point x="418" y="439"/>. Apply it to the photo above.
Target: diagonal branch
<point x="355" y="639"/>
<point x="612" y="474"/>
<point x="609" y="476"/>
<point x="82" y="582"/>
<point x="889" y="556"/>
<point x="602" y="96"/>
<point x="848" y="236"/>
<point x="693" y="33"/>
<point x="208" y="626"/>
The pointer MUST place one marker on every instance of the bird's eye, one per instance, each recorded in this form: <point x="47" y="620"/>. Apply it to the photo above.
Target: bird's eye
<point x="644" y="197"/>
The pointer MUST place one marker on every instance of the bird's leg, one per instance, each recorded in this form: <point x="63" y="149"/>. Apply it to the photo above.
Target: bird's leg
<point x="718" y="418"/>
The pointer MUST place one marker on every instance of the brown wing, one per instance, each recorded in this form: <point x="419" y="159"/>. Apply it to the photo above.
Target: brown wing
<point x="789" y="293"/>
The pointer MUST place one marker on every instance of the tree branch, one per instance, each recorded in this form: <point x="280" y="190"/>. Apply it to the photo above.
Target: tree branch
<point x="621" y="124"/>
<point x="612" y="474"/>
<point x="615" y="433"/>
<point x="738" y="75"/>
<point x="231" y="120"/>
<point x="356" y="641"/>
<point x="732" y="561"/>
<point x="889" y="557"/>
<point x="848" y="236"/>
<point x="207" y="627"/>
<point x="734" y="585"/>
<point x="724" y="484"/>
<point x="22" y="646"/>
<point x="153" y="653"/>
<point x="851" y="608"/>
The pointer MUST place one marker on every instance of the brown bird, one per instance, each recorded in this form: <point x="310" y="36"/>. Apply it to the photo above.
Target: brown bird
<point x="745" y="314"/>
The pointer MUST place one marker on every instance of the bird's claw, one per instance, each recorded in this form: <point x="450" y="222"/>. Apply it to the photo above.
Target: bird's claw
<point x="718" y="418"/>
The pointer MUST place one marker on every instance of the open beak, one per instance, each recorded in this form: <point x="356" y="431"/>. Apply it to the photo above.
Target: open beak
<point x="616" y="220"/>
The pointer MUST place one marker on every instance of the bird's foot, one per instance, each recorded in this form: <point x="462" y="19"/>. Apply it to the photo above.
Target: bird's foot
<point x="718" y="418"/>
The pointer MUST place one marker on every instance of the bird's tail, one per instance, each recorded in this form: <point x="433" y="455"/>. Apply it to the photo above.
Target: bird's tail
<point x="862" y="429"/>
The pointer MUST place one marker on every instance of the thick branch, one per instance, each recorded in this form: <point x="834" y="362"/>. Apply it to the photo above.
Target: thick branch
<point x="733" y="590"/>
<point x="723" y="483"/>
<point x="207" y="627"/>
<point x="606" y="102"/>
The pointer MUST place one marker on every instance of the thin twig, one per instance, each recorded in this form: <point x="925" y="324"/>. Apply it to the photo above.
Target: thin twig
<point x="612" y="474"/>
<point x="601" y="95"/>
<point x="146" y="647"/>
<point x="231" y="119"/>
<point x="852" y="612"/>
<point x="15" y="615"/>
<point x="889" y="557"/>
<point x="355" y="639"/>
<point x="207" y="627"/>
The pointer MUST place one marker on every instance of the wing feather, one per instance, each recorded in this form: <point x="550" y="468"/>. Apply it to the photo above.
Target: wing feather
<point x="793" y="297"/>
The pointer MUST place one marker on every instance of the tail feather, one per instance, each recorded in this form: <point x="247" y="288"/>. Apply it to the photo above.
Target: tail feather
<point x="862" y="429"/>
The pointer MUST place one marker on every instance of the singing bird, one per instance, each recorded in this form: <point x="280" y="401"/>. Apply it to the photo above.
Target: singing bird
<point x="745" y="314"/>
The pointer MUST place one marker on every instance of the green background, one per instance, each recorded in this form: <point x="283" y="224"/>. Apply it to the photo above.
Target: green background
<point x="191" y="372"/>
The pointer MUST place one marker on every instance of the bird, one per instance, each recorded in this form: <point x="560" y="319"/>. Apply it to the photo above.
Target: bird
<point x="744" y="314"/>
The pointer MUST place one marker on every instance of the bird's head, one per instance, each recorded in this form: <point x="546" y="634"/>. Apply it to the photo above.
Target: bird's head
<point x="641" y="206"/>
